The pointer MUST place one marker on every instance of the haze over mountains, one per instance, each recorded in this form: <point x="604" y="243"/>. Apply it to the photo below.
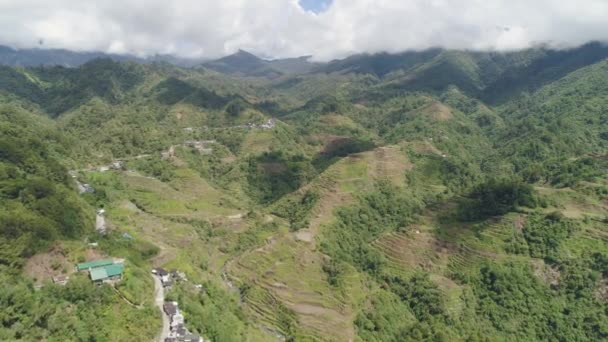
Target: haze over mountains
<point x="67" y="58"/>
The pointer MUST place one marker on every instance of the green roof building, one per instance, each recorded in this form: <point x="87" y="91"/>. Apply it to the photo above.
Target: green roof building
<point x="94" y="264"/>
<point x="110" y="272"/>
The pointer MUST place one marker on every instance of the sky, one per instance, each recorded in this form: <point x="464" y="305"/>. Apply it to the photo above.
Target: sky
<point x="315" y="6"/>
<point x="325" y="29"/>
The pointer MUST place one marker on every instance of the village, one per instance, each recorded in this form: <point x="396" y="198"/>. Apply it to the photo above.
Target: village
<point x="202" y="146"/>
<point x="270" y="124"/>
<point x="111" y="270"/>
<point x="174" y="329"/>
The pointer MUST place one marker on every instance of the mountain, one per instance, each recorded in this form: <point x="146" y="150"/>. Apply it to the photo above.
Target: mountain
<point x="430" y="195"/>
<point x="563" y="119"/>
<point x="548" y="66"/>
<point x="243" y="63"/>
<point x="50" y="57"/>
<point x="66" y="58"/>
<point x="297" y="65"/>
<point x="380" y="64"/>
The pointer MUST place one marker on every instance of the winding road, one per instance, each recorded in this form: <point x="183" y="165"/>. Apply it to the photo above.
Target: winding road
<point x="159" y="300"/>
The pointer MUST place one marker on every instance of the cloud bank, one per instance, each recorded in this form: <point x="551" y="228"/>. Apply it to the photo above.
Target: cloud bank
<point x="281" y="28"/>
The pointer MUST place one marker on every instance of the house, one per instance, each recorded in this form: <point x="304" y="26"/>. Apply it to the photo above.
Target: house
<point x="87" y="266"/>
<point x="170" y="308"/>
<point x="159" y="271"/>
<point x="177" y="320"/>
<point x="268" y="125"/>
<point x="191" y="338"/>
<point x="162" y="274"/>
<point x="107" y="274"/>
<point x="103" y="271"/>
<point x="180" y="330"/>
<point x="117" y="165"/>
<point x="177" y="275"/>
<point x="61" y="279"/>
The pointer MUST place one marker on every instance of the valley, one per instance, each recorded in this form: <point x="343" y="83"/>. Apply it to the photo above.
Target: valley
<point x="434" y="195"/>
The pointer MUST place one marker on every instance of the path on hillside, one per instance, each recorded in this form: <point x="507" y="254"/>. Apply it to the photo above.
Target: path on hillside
<point x="139" y="306"/>
<point x="159" y="300"/>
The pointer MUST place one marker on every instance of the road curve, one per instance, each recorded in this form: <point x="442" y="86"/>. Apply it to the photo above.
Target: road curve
<point x="159" y="300"/>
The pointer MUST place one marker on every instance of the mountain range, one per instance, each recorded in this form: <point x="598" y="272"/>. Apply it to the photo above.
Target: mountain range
<point x="423" y="195"/>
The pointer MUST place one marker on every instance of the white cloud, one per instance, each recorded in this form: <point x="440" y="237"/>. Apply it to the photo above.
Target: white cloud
<point x="282" y="28"/>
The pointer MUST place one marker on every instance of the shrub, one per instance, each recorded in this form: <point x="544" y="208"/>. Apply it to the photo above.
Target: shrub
<point x="497" y="197"/>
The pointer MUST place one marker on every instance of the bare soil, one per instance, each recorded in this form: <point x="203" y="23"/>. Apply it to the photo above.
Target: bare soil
<point x="44" y="266"/>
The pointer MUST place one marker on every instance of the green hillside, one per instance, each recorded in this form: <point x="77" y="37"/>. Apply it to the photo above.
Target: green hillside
<point x="436" y="195"/>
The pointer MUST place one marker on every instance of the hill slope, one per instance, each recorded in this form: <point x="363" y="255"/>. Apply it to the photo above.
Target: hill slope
<point x="426" y="195"/>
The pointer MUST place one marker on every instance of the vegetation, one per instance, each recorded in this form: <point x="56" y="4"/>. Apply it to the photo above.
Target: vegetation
<point x="297" y="211"/>
<point x="79" y="311"/>
<point x="274" y="174"/>
<point x="497" y="197"/>
<point x="435" y="195"/>
<point x="211" y="312"/>
<point x="38" y="201"/>
<point x="384" y="210"/>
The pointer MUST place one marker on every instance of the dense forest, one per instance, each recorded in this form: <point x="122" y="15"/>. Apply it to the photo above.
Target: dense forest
<point x="433" y="195"/>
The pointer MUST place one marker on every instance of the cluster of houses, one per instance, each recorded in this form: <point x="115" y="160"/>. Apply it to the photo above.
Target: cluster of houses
<point x="168" y="278"/>
<point x="115" y="165"/>
<point x="270" y="124"/>
<point x="202" y="146"/>
<point x="179" y="332"/>
<point x="103" y="271"/>
<point x="87" y="188"/>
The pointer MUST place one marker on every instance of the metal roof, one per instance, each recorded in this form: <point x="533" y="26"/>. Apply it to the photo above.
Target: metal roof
<point x="94" y="264"/>
<point x="170" y="308"/>
<point x="114" y="270"/>
<point x="161" y="271"/>
<point x="102" y="273"/>
<point x="99" y="274"/>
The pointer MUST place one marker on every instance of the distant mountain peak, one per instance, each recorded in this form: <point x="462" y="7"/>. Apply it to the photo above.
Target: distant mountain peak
<point x="244" y="52"/>
<point x="242" y="63"/>
<point x="242" y="55"/>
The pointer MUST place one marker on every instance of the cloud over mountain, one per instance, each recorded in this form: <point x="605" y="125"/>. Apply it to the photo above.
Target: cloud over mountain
<point x="281" y="28"/>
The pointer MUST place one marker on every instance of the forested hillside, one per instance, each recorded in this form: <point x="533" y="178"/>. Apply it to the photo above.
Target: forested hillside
<point x="435" y="195"/>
